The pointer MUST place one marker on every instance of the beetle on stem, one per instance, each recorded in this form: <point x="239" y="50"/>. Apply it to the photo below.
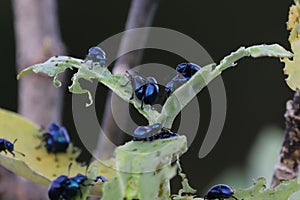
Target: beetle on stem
<point x="145" y="90"/>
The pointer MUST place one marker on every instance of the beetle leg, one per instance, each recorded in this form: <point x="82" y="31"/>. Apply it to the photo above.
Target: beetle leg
<point x="12" y="153"/>
<point x="40" y="145"/>
<point x="75" y="149"/>
<point x="142" y="104"/>
<point x="55" y="157"/>
<point x="92" y="66"/>
<point x="86" y="185"/>
<point x="234" y="197"/>
<point x="124" y="85"/>
<point x="129" y="76"/>
<point x="132" y="96"/>
<point x="80" y="193"/>
<point x="168" y="92"/>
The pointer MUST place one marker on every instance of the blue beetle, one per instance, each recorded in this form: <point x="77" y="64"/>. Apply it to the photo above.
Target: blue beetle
<point x="220" y="192"/>
<point x="56" y="140"/>
<point x="184" y="73"/>
<point x="67" y="188"/>
<point x="187" y="69"/>
<point x="152" y="132"/>
<point x="6" y="145"/>
<point x="97" y="56"/>
<point x="145" y="90"/>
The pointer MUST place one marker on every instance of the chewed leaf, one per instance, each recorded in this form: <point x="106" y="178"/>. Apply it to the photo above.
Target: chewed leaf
<point x="174" y="104"/>
<point x="292" y="67"/>
<point x="259" y="191"/>
<point x="149" y="156"/>
<point x="88" y="71"/>
<point x="53" y="67"/>
<point x="184" y="94"/>
<point x="38" y="165"/>
<point x="144" y="168"/>
<point x="83" y="73"/>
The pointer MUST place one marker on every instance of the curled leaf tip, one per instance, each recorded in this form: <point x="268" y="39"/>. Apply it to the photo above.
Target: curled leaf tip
<point x="90" y="99"/>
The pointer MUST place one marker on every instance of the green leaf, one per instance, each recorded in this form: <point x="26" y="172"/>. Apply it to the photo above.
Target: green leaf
<point x="184" y="94"/>
<point x="273" y="50"/>
<point x="144" y="169"/>
<point x="87" y="71"/>
<point x="174" y="104"/>
<point x="259" y="191"/>
<point x="38" y="165"/>
<point x="53" y="67"/>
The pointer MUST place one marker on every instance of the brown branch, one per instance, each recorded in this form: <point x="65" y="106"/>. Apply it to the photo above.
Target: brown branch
<point x="140" y="15"/>
<point x="287" y="166"/>
<point x="37" y="38"/>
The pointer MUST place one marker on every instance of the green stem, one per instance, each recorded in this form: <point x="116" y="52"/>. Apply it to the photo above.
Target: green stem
<point x="174" y="104"/>
<point x="183" y="95"/>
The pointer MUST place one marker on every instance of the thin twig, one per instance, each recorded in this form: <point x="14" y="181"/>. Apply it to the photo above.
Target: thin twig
<point x="140" y="15"/>
<point x="37" y="38"/>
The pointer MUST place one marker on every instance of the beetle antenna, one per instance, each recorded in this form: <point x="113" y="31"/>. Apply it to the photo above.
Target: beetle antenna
<point x="129" y="76"/>
<point x="138" y="73"/>
<point x="42" y="128"/>
<point x="15" y="141"/>
<point x="69" y="168"/>
<point x="22" y="154"/>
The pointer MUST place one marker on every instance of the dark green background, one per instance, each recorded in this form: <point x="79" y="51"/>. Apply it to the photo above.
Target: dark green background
<point x="256" y="91"/>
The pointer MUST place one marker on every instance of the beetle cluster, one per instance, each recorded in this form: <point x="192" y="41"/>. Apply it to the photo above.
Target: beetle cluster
<point x="55" y="141"/>
<point x="64" y="187"/>
<point x="146" y="89"/>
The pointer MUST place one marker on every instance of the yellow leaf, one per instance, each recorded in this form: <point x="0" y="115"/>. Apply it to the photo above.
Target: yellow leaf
<point x="292" y="67"/>
<point x="38" y="165"/>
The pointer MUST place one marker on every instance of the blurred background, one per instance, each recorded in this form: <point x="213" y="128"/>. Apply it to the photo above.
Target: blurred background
<point x="256" y="91"/>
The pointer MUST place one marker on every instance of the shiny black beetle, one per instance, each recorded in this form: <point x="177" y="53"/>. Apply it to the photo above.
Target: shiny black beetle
<point x="64" y="187"/>
<point x="185" y="71"/>
<point x="97" y="56"/>
<point x="6" y="145"/>
<point x="152" y="132"/>
<point x="145" y="90"/>
<point x="56" y="140"/>
<point x="220" y="192"/>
